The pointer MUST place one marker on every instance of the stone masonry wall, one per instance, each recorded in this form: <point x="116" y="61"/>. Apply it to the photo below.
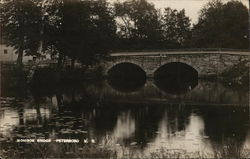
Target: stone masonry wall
<point x="205" y="64"/>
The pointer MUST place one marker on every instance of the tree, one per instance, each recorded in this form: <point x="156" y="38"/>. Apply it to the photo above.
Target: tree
<point x="98" y="37"/>
<point x="21" y="23"/>
<point x="222" y="26"/>
<point x="139" y="20"/>
<point x="52" y="32"/>
<point x="176" y="28"/>
<point x="80" y="30"/>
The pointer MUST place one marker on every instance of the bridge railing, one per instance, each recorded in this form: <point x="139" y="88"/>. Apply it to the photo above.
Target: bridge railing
<point x="184" y="49"/>
<point x="180" y="52"/>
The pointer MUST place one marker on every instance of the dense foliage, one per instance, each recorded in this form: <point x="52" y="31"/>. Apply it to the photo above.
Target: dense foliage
<point x="222" y="26"/>
<point x="81" y="30"/>
<point x="87" y="30"/>
<point x="21" y="22"/>
<point x="142" y="26"/>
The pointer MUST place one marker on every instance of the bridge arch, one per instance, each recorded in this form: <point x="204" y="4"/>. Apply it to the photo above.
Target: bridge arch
<point x="113" y="64"/>
<point x="177" y="68"/>
<point x="176" y="77"/>
<point x="127" y="70"/>
<point x="188" y="63"/>
<point x="126" y="77"/>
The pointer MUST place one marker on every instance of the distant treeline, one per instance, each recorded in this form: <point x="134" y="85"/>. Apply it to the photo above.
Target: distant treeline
<point x="87" y="30"/>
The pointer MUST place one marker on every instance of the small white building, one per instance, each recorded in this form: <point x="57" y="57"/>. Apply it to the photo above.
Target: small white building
<point x="7" y="54"/>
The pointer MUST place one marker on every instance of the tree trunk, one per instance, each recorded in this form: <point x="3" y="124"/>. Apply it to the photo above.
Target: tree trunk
<point x="20" y="58"/>
<point x="38" y="112"/>
<point x="60" y="61"/>
<point x="73" y="63"/>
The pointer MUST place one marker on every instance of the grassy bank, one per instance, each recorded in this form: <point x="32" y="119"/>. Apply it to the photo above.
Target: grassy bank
<point x="54" y="150"/>
<point x="80" y="150"/>
<point x="237" y="76"/>
<point x="53" y="76"/>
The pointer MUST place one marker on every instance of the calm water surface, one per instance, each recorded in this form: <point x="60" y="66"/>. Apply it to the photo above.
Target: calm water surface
<point x="203" y="117"/>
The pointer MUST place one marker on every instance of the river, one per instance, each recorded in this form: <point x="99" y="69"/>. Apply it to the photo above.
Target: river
<point x="204" y="119"/>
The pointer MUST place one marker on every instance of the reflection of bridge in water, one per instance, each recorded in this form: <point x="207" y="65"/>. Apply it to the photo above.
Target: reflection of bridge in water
<point x="205" y="93"/>
<point x="149" y="117"/>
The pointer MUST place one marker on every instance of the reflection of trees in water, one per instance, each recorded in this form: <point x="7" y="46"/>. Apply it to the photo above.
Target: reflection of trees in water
<point x="36" y="113"/>
<point x="145" y="118"/>
<point x="44" y="122"/>
<point x="227" y="128"/>
<point x="77" y="111"/>
<point x="13" y="86"/>
<point x="148" y="122"/>
<point x="104" y="117"/>
<point x="222" y="128"/>
<point x="99" y="120"/>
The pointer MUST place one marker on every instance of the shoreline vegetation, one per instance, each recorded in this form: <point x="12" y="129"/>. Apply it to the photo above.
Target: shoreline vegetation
<point x="237" y="76"/>
<point x="109" y="151"/>
<point x="234" y="77"/>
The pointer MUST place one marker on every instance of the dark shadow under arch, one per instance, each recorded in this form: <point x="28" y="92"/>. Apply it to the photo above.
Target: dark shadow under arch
<point x="176" y="77"/>
<point x="126" y="77"/>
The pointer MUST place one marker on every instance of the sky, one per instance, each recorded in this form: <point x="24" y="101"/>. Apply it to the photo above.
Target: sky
<point x="192" y="7"/>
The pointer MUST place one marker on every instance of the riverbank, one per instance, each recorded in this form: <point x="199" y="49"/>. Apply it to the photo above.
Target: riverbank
<point x="235" y="77"/>
<point x="107" y="151"/>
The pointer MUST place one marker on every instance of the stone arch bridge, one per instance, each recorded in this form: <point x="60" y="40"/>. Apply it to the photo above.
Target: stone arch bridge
<point x="206" y="63"/>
